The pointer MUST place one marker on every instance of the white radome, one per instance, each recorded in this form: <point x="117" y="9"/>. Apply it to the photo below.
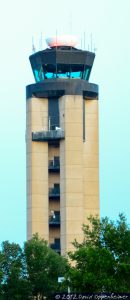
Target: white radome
<point x="64" y="40"/>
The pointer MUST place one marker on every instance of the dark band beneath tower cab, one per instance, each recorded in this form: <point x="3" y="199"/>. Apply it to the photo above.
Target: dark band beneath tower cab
<point x="60" y="87"/>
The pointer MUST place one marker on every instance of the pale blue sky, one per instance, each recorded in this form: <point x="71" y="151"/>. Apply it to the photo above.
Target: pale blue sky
<point x="109" y="23"/>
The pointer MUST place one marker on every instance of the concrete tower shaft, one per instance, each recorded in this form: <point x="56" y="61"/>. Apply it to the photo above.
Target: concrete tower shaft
<point x="62" y="146"/>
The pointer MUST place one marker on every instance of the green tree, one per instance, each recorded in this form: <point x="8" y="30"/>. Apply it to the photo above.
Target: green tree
<point x="13" y="277"/>
<point x="44" y="266"/>
<point x="102" y="261"/>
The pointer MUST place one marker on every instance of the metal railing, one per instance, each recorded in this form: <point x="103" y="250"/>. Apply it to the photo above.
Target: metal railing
<point x="54" y="164"/>
<point x="54" y="192"/>
<point x="56" y="247"/>
<point x="50" y="130"/>
<point x="48" y="135"/>
<point x="55" y="218"/>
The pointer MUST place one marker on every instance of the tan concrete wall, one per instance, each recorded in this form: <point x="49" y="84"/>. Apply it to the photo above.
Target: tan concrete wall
<point x="71" y="171"/>
<point x="37" y="169"/>
<point x="91" y="159"/>
<point x="79" y="170"/>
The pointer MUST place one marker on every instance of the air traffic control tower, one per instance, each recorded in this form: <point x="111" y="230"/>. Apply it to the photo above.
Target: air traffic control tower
<point x="62" y="144"/>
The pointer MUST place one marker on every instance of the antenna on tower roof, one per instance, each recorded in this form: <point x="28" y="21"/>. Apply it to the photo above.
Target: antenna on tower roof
<point x="94" y="49"/>
<point x="33" y="47"/>
<point x="91" y="41"/>
<point x="84" y="40"/>
<point x="70" y="23"/>
<point x="40" y="42"/>
<point x="81" y="42"/>
<point x="56" y="38"/>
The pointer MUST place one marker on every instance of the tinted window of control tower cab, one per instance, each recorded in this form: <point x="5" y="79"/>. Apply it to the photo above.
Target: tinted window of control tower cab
<point x="61" y="71"/>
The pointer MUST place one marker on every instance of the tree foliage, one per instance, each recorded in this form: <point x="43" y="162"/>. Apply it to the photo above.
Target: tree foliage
<point x="100" y="263"/>
<point x="44" y="266"/>
<point x="102" y="260"/>
<point x="31" y="271"/>
<point x="13" y="281"/>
